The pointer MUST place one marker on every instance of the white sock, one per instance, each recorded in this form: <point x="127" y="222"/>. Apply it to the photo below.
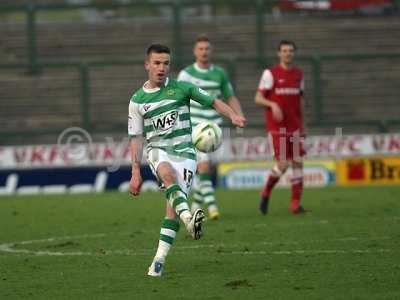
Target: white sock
<point x="186" y="217"/>
<point x="212" y="208"/>
<point x="162" y="251"/>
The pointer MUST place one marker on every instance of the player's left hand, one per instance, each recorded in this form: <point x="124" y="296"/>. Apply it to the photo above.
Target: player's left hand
<point x="238" y="121"/>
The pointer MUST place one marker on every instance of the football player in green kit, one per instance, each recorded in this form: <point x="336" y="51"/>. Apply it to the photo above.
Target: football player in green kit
<point x="214" y="80"/>
<point x="159" y="110"/>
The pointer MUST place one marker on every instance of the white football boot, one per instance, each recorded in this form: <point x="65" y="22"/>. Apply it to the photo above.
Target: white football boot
<point x="194" y="227"/>
<point x="156" y="268"/>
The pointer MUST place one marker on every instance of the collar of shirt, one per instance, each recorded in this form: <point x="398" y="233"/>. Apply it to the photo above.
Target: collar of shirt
<point x="156" y="89"/>
<point x="201" y="70"/>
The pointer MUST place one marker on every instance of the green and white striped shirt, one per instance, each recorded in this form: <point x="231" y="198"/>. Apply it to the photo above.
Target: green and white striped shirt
<point x="163" y="115"/>
<point x="215" y="81"/>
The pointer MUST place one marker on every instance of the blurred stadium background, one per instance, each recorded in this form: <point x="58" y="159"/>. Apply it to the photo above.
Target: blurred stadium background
<point x="83" y="58"/>
<point x="67" y="71"/>
<point x="75" y="63"/>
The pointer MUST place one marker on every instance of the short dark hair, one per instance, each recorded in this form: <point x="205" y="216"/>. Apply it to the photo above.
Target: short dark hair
<point x="157" y="48"/>
<point x="202" y="38"/>
<point x="286" y="42"/>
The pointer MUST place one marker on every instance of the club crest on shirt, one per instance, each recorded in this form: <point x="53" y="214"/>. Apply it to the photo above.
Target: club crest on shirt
<point x="170" y="92"/>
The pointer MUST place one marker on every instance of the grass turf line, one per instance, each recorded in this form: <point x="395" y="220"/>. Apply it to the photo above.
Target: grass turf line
<point x="347" y="248"/>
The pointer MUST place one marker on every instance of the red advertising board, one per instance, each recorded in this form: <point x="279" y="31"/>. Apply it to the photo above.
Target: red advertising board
<point x="339" y="5"/>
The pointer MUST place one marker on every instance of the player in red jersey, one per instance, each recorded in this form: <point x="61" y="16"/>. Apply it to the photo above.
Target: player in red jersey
<point x="280" y="92"/>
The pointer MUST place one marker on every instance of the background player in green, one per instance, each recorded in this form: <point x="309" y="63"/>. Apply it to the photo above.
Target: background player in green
<point x="214" y="80"/>
<point x="160" y="110"/>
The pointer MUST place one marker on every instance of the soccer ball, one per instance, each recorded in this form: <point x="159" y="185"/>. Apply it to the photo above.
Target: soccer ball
<point x="207" y="136"/>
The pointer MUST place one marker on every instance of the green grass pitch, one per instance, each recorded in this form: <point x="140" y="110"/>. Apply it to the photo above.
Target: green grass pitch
<point x="100" y="246"/>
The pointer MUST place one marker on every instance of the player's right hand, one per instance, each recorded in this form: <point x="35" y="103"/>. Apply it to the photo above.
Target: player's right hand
<point x="238" y="121"/>
<point x="135" y="184"/>
<point x="277" y="113"/>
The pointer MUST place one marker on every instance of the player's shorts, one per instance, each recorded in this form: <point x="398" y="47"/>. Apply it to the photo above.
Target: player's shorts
<point x="287" y="147"/>
<point x="185" y="169"/>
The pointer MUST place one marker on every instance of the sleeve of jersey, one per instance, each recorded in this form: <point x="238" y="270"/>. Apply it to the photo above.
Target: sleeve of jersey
<point x="135" y="120"/>
<point x="227" y="88"/>
<point x="183" y="76"/>
<point x="266" y="82"/>
<point x="199" y="95"/>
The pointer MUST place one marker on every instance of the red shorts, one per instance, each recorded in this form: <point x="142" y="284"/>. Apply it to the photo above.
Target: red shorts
<point x="287" y="147"/>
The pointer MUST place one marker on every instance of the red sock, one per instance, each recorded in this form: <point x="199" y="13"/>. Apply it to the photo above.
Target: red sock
<point x="297" y="190"/>
<point x="272" y="180"/>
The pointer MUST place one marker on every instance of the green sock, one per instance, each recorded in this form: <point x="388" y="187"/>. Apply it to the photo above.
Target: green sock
<point x="207" y="189"/>
<point x="169" y="229"/>
<point x="197" y="196"/>
<point x="178" y="201"/>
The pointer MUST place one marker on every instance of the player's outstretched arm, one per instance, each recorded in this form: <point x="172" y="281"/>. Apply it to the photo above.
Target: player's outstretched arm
<point x="234" y="103"/>
<point x="228" y="112"/>
<point x="136" y="155"/>
<point x="202" y="97"/>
